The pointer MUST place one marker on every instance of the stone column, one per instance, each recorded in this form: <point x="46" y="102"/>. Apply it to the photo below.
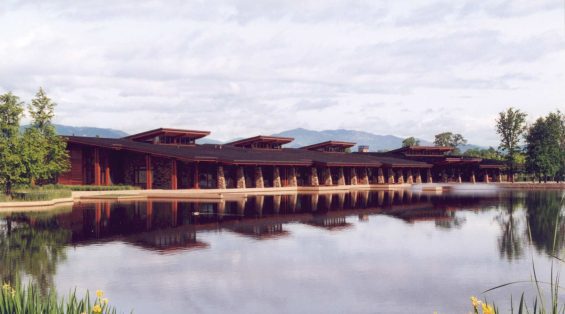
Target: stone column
<point x="409" y="177"/>
<point x="276" y="178"/>
<point x="327" y="176"/>
<point x="341" y="177"/>
<point x="259" y="183"/>
<point x="459" y="180"/>
<point x="473" y="179"/>
<point x="364" y="176"/>
<point x="240" y="178"/>
<point x="429" y="178"/>
<point x="498" y="176"/>
<point x="221" y="178"/>
<point x="400" y="176"/>
<point x="380" y="176"/>
<point x="390" y="176"/>
<point x="418" y="176"/>
<point x="314" y="181"/>
<point x="292" y="177"/>
<point x="353" y="176"/>
<point x="486" y="178"/>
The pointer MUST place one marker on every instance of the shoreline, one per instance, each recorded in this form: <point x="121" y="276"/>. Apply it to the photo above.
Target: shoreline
<point x="218" y="194"/>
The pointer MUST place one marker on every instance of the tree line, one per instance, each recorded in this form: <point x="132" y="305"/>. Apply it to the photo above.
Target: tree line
<point x="36" y="155"/>
<point x="537" y="150"/>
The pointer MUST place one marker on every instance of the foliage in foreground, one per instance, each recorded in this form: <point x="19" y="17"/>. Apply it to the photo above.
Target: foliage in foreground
<point x="37" y="155"/>
<point x="18" y="299"/>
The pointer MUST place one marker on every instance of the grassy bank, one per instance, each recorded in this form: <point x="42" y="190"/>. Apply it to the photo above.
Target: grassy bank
<point x="35" y="194"/>
<point x="50" y="192"/>
<point x="29" y="300"/>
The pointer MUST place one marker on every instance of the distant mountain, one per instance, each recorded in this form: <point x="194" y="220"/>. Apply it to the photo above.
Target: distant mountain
<point x="303" y="137"/>
<point x="85" y="131"/>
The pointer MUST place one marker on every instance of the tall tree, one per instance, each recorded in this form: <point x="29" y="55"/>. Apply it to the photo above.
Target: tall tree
<point x="410" y="141"/>
<point x="11" y="169"/>
<point x="41" y="142"/>
<point x="544" y="154"/>
<point x="510" y="125"/>
<point x="451" y="140"/>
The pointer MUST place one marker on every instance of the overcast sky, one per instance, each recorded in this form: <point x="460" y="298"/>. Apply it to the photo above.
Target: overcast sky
<point x="240" y="68"/>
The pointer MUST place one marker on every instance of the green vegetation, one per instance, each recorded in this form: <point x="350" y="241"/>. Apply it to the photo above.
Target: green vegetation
<point x="54" y="191"/>
<point x="489" y="153"/>
<point x="410" y="141"/>
<point x="451" y="140"/>
<point x="28" y="194"/>
<point x="545" y="149"/>
<point x="30" y="300"/>
<point x="510" y="126"/>
<point x="116" y="187"/>
<point x="36" y="156"/>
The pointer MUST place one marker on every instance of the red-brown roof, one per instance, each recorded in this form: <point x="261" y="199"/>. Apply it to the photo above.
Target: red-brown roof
<point x="329" y="144"/>
<point x="168" y="132"/>
<point x="261" y="139"/>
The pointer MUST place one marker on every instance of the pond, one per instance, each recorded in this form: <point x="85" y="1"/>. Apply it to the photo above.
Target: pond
<point x="355" y="252"/>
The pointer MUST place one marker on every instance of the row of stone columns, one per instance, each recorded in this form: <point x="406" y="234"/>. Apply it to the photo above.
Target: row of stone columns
<point x="325" y="178"/>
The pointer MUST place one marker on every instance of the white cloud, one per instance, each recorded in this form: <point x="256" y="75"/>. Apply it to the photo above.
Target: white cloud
<point x="246" y="67"/>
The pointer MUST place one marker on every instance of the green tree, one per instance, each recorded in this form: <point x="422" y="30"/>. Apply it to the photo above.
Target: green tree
<point x="489" y="153"/>
<point x="451" y="140"/>
<point x="46" y="154"/>
<point x="410" y="141"/>
<point x="544" y="154"/>
<point x="510" y="125"/>
<point x="11" y="168"/>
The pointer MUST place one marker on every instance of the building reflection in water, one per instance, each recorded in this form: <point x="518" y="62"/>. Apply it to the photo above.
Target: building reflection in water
<point x="166" y="226"/>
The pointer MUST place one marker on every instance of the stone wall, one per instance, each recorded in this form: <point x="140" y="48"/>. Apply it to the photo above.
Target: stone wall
<point x="161" y="172"/>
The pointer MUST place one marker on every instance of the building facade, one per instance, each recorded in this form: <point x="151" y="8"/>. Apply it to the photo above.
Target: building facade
<point x="171" y="159"/>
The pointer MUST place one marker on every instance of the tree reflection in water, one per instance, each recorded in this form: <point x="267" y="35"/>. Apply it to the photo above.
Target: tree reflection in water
<point x="546" y="220"/>
<point x="30" y="248"/>
<point x="511" y="241"/>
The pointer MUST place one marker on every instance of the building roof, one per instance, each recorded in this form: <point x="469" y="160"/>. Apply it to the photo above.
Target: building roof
<point x="409" y="149"/>
<point x="261" y="139"/>
<point x="325" y="144"/>
<point x="229" y="154"/>
<point x="167" y="132"/>
<point x="395" y="162"/>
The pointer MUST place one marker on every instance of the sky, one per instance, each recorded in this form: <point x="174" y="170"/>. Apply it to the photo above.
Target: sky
<point x="246" y="67"/>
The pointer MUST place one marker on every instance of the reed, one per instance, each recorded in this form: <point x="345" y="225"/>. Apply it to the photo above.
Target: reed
<point x="29" y="300"/>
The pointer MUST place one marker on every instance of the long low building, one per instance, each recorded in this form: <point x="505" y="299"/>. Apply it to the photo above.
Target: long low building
<point x="170" y="159"/>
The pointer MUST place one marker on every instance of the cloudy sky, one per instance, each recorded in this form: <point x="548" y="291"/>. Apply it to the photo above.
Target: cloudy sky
<point x="251" y="67"/>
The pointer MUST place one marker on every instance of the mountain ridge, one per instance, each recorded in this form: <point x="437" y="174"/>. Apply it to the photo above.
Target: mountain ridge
<point x="302" y="137"/>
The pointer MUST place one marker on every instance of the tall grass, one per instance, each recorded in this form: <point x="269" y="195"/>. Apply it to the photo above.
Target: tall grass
<point x="115" y="187"/>
<point x="29" y="300"/>
<point x="29" y="194"/>
<point x="54" y="191"/>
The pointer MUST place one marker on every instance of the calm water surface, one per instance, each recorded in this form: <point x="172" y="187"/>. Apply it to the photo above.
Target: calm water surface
<point x="360" y="252"/>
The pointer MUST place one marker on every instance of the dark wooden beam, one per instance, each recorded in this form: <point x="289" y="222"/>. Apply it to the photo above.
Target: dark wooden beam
<point x="97" y="169"/>
<point x="174" y="177"/>
<point x="148" y="171"/>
